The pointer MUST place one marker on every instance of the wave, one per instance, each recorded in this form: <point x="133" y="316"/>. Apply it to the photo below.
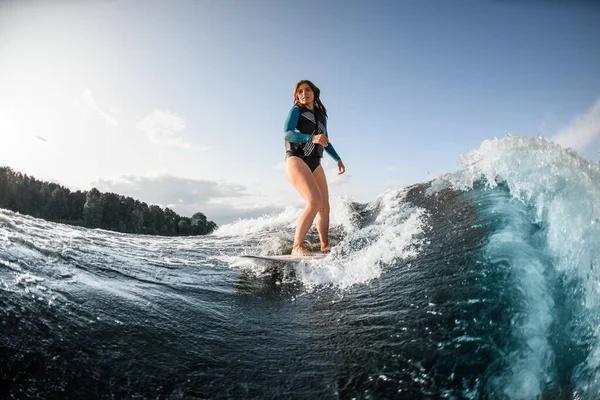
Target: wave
<point x="547" y="236"/>
<point x="482" y="283"/>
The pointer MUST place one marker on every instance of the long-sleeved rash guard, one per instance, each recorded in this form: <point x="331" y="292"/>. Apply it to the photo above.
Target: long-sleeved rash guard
<point x="293" y="136"/>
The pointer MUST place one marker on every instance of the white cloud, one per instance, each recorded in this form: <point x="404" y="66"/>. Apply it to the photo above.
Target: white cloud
<point x="187" y="196"/>
<point x="166" y="189"/>
<point x="164" y="127"/>
<point x="582" y="130"/>
<point x="91" y="106"/>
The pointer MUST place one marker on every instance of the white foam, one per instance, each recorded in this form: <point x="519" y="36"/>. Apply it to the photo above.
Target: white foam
<point x="361" y="255"/>
<point x="364" y="253"/>
<point x="268" y="222"/>
<point x="341" y="214"/>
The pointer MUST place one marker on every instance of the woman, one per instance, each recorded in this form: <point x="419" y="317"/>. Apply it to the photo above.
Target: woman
<point x="305" y="138"/>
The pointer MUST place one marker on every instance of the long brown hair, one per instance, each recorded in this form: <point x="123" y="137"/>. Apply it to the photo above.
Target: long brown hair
<point x="318" y="104"/>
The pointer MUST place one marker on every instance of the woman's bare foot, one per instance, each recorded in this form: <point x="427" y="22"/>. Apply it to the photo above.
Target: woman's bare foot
<point x="326" y="248"/>
<point x="300" y="251"/>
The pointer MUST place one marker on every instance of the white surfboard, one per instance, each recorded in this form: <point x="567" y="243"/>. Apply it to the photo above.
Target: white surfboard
<point x="288" y="258"/>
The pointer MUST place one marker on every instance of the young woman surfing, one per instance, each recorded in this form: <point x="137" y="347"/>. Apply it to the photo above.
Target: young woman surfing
<point x="305" y="135"/>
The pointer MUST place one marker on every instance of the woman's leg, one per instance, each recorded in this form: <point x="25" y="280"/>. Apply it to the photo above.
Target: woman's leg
<point x="323" y="214"/>
<point x="299" y="175"/>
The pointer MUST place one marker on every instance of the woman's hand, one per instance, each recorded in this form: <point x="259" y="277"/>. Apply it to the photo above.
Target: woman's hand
<point x="320" y="139"/>
<point x="341" y="167"/>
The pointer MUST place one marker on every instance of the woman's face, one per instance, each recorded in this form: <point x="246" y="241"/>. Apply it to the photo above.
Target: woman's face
<point x="305" y="95"/>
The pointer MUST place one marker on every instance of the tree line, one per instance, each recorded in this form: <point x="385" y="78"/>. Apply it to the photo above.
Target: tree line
<point x="94" y="209"/>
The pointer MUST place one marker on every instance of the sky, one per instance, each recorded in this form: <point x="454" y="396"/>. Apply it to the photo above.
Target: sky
<point x="182" y="103"/>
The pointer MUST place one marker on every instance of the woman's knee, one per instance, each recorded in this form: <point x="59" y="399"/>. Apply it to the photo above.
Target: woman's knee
<point x="315" y="202"/>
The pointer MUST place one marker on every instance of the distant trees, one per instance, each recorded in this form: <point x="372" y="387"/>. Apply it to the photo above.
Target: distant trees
<point x="93" y="209"/>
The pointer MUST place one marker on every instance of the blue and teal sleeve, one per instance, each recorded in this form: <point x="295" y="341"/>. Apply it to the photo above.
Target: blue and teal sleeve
<point x="330" y="150"/>
<point x="289" y="130"/>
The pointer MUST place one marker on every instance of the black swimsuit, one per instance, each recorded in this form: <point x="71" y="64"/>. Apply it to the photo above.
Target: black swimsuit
<point x="312" y="161"/>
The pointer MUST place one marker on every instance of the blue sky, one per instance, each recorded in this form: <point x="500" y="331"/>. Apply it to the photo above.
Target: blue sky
<point x="182" y="103"/>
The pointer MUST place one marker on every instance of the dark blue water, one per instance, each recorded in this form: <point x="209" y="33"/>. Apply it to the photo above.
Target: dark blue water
<point x="482" y="284"/>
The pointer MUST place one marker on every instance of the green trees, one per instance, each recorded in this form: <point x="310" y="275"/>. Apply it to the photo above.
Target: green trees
<point x="93" y="209"/>
<point x="200" y="226"/>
